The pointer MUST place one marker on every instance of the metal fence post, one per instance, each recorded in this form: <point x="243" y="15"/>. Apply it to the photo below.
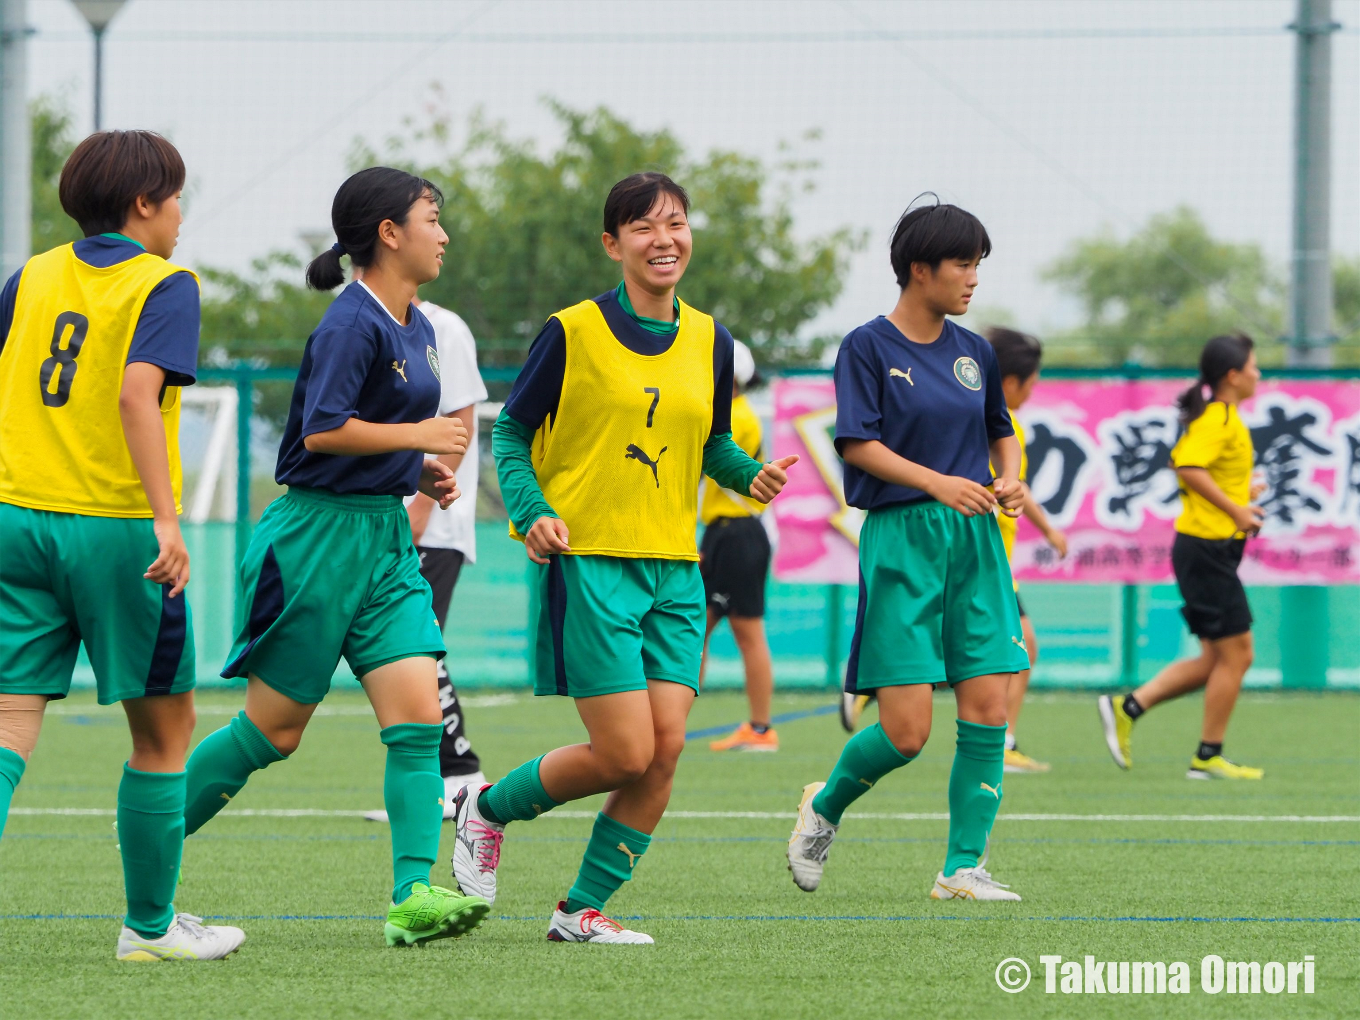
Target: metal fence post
<point x="835" y="609"/>
<point x="1128" y="636"/>
<point x="245" y="390"/>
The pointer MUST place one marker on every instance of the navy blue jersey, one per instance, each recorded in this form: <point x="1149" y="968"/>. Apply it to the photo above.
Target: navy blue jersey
<point x="167" y="330"/>
<point x="538" y="387"/>
<point x="939" y="405"/>
<point x="360" y="363"/>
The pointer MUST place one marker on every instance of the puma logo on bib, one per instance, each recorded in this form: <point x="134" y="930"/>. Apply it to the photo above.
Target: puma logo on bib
<point x="638" y="454"/>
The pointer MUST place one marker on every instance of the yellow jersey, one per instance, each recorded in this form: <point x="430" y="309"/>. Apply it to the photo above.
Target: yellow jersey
<point x="621" y="460"/>
<point x="61" y="372"/>
<point x="1220" y="442"/>
<point x="1009" y="525"/>
<point x="720" y="502"/>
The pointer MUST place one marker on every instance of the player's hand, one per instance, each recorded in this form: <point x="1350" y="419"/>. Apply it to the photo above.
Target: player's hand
<point x="962" y="494"/>
<point x="438" y="482"/>
<point x="171" y="565"/>
<point x="1258" y="489"/>
<point x="547" y="536"/>
<point x="1058" y="540"/>
<point x="1010" y="495"/>
<point x="772" y="478"/>
<point x="1248" y="519"/>
<point x="444" y="434"/>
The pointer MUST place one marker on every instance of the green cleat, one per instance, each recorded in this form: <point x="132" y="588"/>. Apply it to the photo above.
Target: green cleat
<point x="432" y="912"/>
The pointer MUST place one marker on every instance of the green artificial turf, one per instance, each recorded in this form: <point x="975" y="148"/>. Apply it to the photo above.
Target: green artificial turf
<point x="734" y="936"/>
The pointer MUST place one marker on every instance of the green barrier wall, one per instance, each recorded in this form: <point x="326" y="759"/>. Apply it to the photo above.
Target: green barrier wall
<point x="1083" y="637"/>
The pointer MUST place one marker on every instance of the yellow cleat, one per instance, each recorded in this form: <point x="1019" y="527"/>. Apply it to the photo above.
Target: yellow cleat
<point x="745" y="738"/>
<point x="852" y="707"/>
<point x="1118" y="727"/>
<point x="1018" y="761"/>
<point x="1218" y="767"/>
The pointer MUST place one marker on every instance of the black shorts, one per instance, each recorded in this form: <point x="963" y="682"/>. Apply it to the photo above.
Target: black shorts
<point x="440" y="567"/>
<point x="1206" y="573"/>
<point x="735" y="561"/>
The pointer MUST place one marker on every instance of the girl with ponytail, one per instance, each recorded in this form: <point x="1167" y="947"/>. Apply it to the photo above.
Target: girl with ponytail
<point x="1214" y="459"/>
<point x="331" y="569"/>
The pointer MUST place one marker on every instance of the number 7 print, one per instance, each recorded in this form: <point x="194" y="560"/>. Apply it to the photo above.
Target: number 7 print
<point x="655" y="391"/>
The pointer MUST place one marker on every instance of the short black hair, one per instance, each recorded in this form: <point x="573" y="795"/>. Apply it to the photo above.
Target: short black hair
<point x="110" y="170"/>
<point x="633" y="197"/>
<point x="1017" y="353"/>
<point x="933" y="233"/>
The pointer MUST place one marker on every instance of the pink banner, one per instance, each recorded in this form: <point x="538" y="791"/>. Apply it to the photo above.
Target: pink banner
<point x="1099" y="463"/>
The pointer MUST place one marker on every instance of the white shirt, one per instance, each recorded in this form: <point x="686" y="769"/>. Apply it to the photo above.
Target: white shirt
<point x="460" y="385"/>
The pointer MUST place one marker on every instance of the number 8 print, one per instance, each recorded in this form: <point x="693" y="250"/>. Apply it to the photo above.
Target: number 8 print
<point x="63" y="359"/>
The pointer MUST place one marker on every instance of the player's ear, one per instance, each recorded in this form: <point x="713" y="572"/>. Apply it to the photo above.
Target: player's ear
<point x="611" y="246"/>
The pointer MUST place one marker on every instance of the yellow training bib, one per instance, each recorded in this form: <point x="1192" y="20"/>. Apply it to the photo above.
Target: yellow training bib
<point x="1009" y="525"/>
<point x="622" y="459"/>
<point x="61" y="372"/>
<point x="1220" y="442"/>
<point x="720" y="502"/>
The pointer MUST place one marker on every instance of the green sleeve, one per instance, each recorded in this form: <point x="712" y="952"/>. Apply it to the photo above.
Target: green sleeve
<point x="511" y="442"/>
<point x="728" y="464"/>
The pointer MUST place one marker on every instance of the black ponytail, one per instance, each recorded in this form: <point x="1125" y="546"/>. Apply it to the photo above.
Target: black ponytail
<point x="1221" y="355"/>
<point x="362" y="203"/>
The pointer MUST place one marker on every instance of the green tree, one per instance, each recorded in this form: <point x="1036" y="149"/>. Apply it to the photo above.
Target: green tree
<point x="1346" y="302"/>
<point x="1158" y="296"/>
<point x="524" y="232"/>
<point x="53" y="140"/>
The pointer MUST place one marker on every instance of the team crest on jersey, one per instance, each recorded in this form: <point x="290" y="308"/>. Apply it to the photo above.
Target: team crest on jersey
<point x="967" y="372"/>
<point x="432" y="356"/>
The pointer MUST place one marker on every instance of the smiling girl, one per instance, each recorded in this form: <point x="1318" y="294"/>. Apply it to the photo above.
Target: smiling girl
<point x="331" y="569"/>
<point x="624" y="404"/>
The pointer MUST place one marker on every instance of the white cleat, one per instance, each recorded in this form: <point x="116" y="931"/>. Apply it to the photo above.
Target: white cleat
<point x="971" y="884"/>
<point x="452" y="784"/>
<point x="810" y="842"/>
<point x="590" y="925"/>
<point x="187" y="939"/>
<point x="476" y="847"/>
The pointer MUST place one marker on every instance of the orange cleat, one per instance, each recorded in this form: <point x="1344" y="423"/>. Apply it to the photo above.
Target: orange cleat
<point x="744" y="738"/>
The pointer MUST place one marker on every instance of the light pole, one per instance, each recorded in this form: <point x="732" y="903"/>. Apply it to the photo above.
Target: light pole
<point x="99" y="13"/>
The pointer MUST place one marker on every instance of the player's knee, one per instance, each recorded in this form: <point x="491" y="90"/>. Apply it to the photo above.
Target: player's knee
<point x="284" y="738"/>
<point x="627" y="763"/>
<point x="909" y="738"/>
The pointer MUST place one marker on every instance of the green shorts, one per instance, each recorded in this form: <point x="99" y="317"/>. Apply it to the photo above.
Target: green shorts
<point x="67" y="578"/>
<point x="328" y="575"/>
<point x="606" y="624"/>
<point x="935" y="600"/>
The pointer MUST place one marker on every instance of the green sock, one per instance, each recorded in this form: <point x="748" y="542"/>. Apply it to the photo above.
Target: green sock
<point x="11" y="771"/>
<point x="516" y="798"/>
<point x="150" y="837"/>
<point x="611" y="855"/>
<point x="867" y="757"/>
<point x="413" y="793"/>
<point x="220" y="766"/>
<point x="974" y="792"/>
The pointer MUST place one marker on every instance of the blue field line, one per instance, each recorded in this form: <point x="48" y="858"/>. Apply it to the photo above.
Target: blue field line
<point x="722" y="731"/>
<point x="751" y="917"/>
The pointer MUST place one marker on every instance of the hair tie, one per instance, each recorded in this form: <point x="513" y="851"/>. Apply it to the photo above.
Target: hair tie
<point x="338" y="248"/>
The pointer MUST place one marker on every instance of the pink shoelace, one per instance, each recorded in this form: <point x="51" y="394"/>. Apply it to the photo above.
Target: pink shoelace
<point x="488" y="845"/>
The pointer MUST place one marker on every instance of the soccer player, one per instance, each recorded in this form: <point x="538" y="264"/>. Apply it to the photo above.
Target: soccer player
<point x="1214" y="459"/>
<point x="1018" y="356"/>
<point x="622" y="407"/>
<point x="920" y="417"/>
<point x="331" y="569"/>
<point x="446" y="539"/>
<point x="734" y="561"/>
<point x="96" y="340"/>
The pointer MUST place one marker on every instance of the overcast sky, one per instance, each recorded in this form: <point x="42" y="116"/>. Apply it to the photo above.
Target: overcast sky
<point x="1050" y="119"/>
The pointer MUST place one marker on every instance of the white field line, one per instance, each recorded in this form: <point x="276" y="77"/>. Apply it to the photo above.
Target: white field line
<point x="780" y="815"/>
